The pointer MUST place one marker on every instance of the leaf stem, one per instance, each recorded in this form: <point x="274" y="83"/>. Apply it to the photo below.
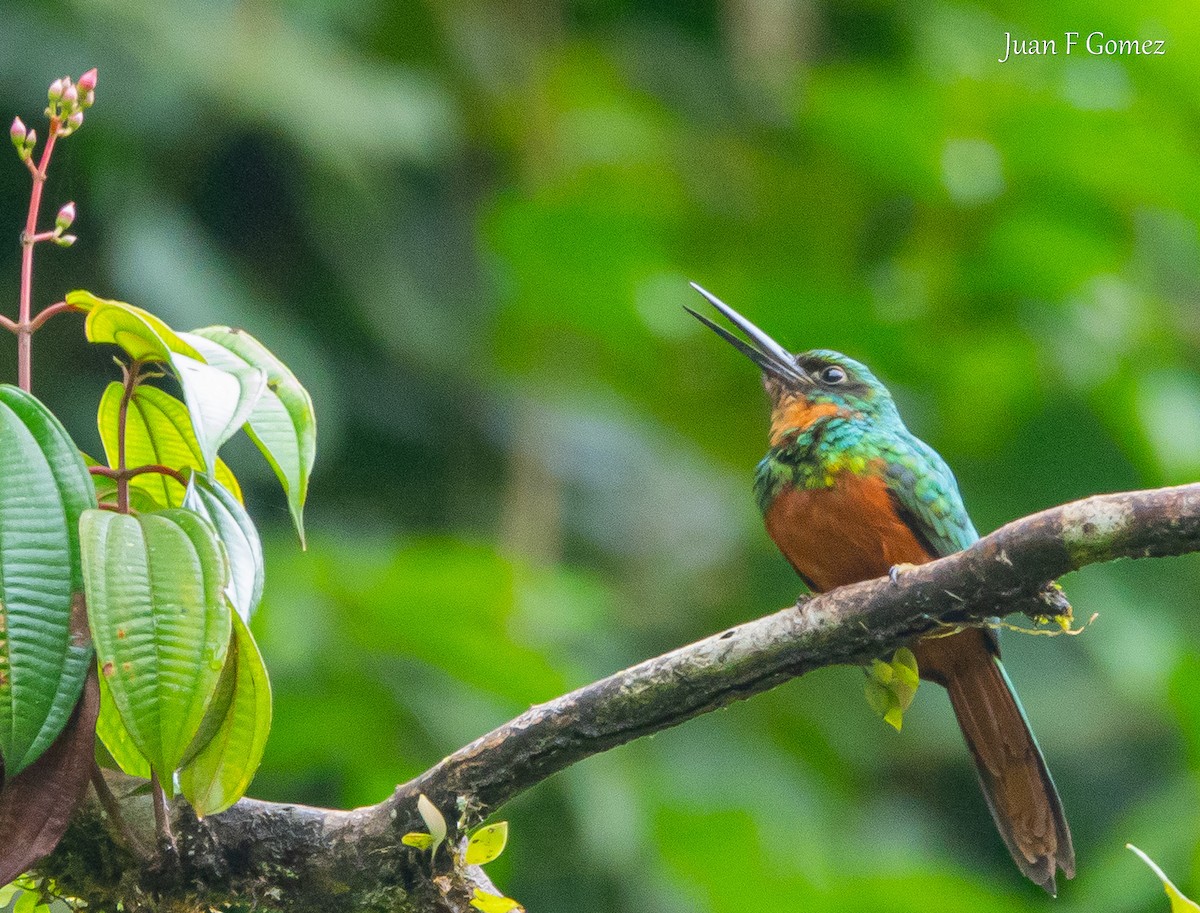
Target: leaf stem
<point x="58" y="307"/>
<point x="126" y="474"/>
<point x="131" y="382"/>
<point x="112" y="808"/>
<point x="162" y="821"/>
<point x="24" y="328"/>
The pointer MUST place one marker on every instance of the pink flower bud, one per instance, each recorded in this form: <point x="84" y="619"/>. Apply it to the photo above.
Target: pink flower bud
<point x="56" y="90"/>
<point x="70" y="94"/>
<point x="87" y="82"/>
<point x="65" y="240"/>
<point x="65" y="217"/>
<point x="75" y="121"/>
<point x="18" y="132"/>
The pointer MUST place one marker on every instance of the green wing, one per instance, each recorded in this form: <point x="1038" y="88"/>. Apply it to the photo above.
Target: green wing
<point x="926" y="496"/>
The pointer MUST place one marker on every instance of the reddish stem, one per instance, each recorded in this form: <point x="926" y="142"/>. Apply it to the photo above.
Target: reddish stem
<point x="160" y="469"/>
<point x="127" y="474"/>
<point x="131" y="382"/>
<point x="58" y="307"/>
<point x="24" y="328"/>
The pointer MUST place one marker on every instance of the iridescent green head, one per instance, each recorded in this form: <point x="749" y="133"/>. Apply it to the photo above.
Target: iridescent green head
<point x="807" y="387"/>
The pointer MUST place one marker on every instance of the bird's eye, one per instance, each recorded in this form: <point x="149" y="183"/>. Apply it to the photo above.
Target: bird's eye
<point x="833" y="375"/>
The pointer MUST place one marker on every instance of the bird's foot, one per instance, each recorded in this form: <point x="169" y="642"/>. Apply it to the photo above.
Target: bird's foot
<point x="896" y="570"/>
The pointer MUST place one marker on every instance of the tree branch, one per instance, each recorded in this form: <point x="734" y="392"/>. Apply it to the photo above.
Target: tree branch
<point x="298" y="858"/>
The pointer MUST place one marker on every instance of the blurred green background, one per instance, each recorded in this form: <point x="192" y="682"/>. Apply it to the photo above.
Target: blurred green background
<point x="468" y="226"/>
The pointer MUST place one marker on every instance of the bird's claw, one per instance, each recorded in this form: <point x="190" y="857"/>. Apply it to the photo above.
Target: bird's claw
<point x="896" y="570"/>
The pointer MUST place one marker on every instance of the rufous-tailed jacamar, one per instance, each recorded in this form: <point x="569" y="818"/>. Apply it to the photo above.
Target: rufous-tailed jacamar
<point x="848" y="494"/>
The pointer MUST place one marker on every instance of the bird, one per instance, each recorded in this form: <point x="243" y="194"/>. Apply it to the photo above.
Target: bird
<point x="848" y="493"/>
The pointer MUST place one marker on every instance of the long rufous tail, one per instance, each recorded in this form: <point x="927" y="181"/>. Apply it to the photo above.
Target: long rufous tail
<point x="1009" y="764"/>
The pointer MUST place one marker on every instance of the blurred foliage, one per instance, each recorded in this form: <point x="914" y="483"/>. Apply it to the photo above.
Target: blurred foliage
<point x="468" y="227"/>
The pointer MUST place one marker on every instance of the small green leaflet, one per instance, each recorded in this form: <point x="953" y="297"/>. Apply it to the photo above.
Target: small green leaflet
<point x="417" y="839"/>
<point x="433" y="820"/>
<point x="1179" y="902"/>
<point x="219" y="400"/>
<point x="236" y="530"/>
<point x="44" y="648"/>
<point x="891" y="686"/>
<point x="161" y="627"/>
<point x="282" y="422"/>
<point x="158" y="430"/>
<point x="486" y="843"/>
<point x="221" y="772"/>
<point x="493" y="903"/>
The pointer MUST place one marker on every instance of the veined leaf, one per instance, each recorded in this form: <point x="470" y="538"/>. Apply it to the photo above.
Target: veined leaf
<point x="44" y="648"/>
<point x="221" y="773"/>
<point x="116" y="738"/>
<point x="160" y="622"/>
<point x="142" y="335"/>
<point x="219" y="400"/>
<point x="239" y="536"/>
<point x="158" y="429"/>
<point x="282" y="423"/>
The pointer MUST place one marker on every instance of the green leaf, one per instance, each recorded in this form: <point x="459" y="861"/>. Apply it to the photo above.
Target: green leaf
<point x="26" y="903"/>
<point x="161" y="627"/>
<point x="219" y="400"/>
<point x="417" y="839"/>
<point x="143" y="336"/>
<point x="221" y="773"/>
<point x="116" y="738"/>
<point x="433" y="820"/>
<point x="282" y="423"/>
<point x="44" y="648"/>
<point x="1179" y="902"/>
<point x="237" y="533"/>
<point x="486" y="843"/>
<point x="890" y="687"/>
<point x="158" y="430"/>
<point x="493" y="903"/>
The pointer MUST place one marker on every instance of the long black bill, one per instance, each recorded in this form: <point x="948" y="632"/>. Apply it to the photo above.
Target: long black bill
<point x="760" y="348"/>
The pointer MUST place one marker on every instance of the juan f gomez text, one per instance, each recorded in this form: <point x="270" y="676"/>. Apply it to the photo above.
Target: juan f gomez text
<point x="1093" y="43"/>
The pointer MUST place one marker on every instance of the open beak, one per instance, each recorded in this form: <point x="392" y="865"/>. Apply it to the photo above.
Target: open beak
<point x="760" y="348"/>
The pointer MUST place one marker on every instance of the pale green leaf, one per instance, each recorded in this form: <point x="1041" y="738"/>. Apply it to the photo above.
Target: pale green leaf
<point x="221" y="772"/>
<point x="282" y="423"/>
<point x="160" y="622"/>
<point x="26" y="902"/>
<point x="219" y="400"/>
<point x="1179" y="902"/>
<point x="493" y="903"/>
<point x="158" y="430"/>
<point x="486" y="843"/>
<point x="239" y="536"/>
<point x="417" y="839"/>
<point x="433" y="820"/>
<point x="891" y="686"/>
<point x="44" y="648"/>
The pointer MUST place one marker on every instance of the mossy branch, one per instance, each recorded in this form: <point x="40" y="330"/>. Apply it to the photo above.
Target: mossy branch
<point x="297" y="858"/>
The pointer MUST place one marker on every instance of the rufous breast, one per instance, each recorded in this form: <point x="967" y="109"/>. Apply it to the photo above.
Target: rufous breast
<point x="843" y="533"/>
